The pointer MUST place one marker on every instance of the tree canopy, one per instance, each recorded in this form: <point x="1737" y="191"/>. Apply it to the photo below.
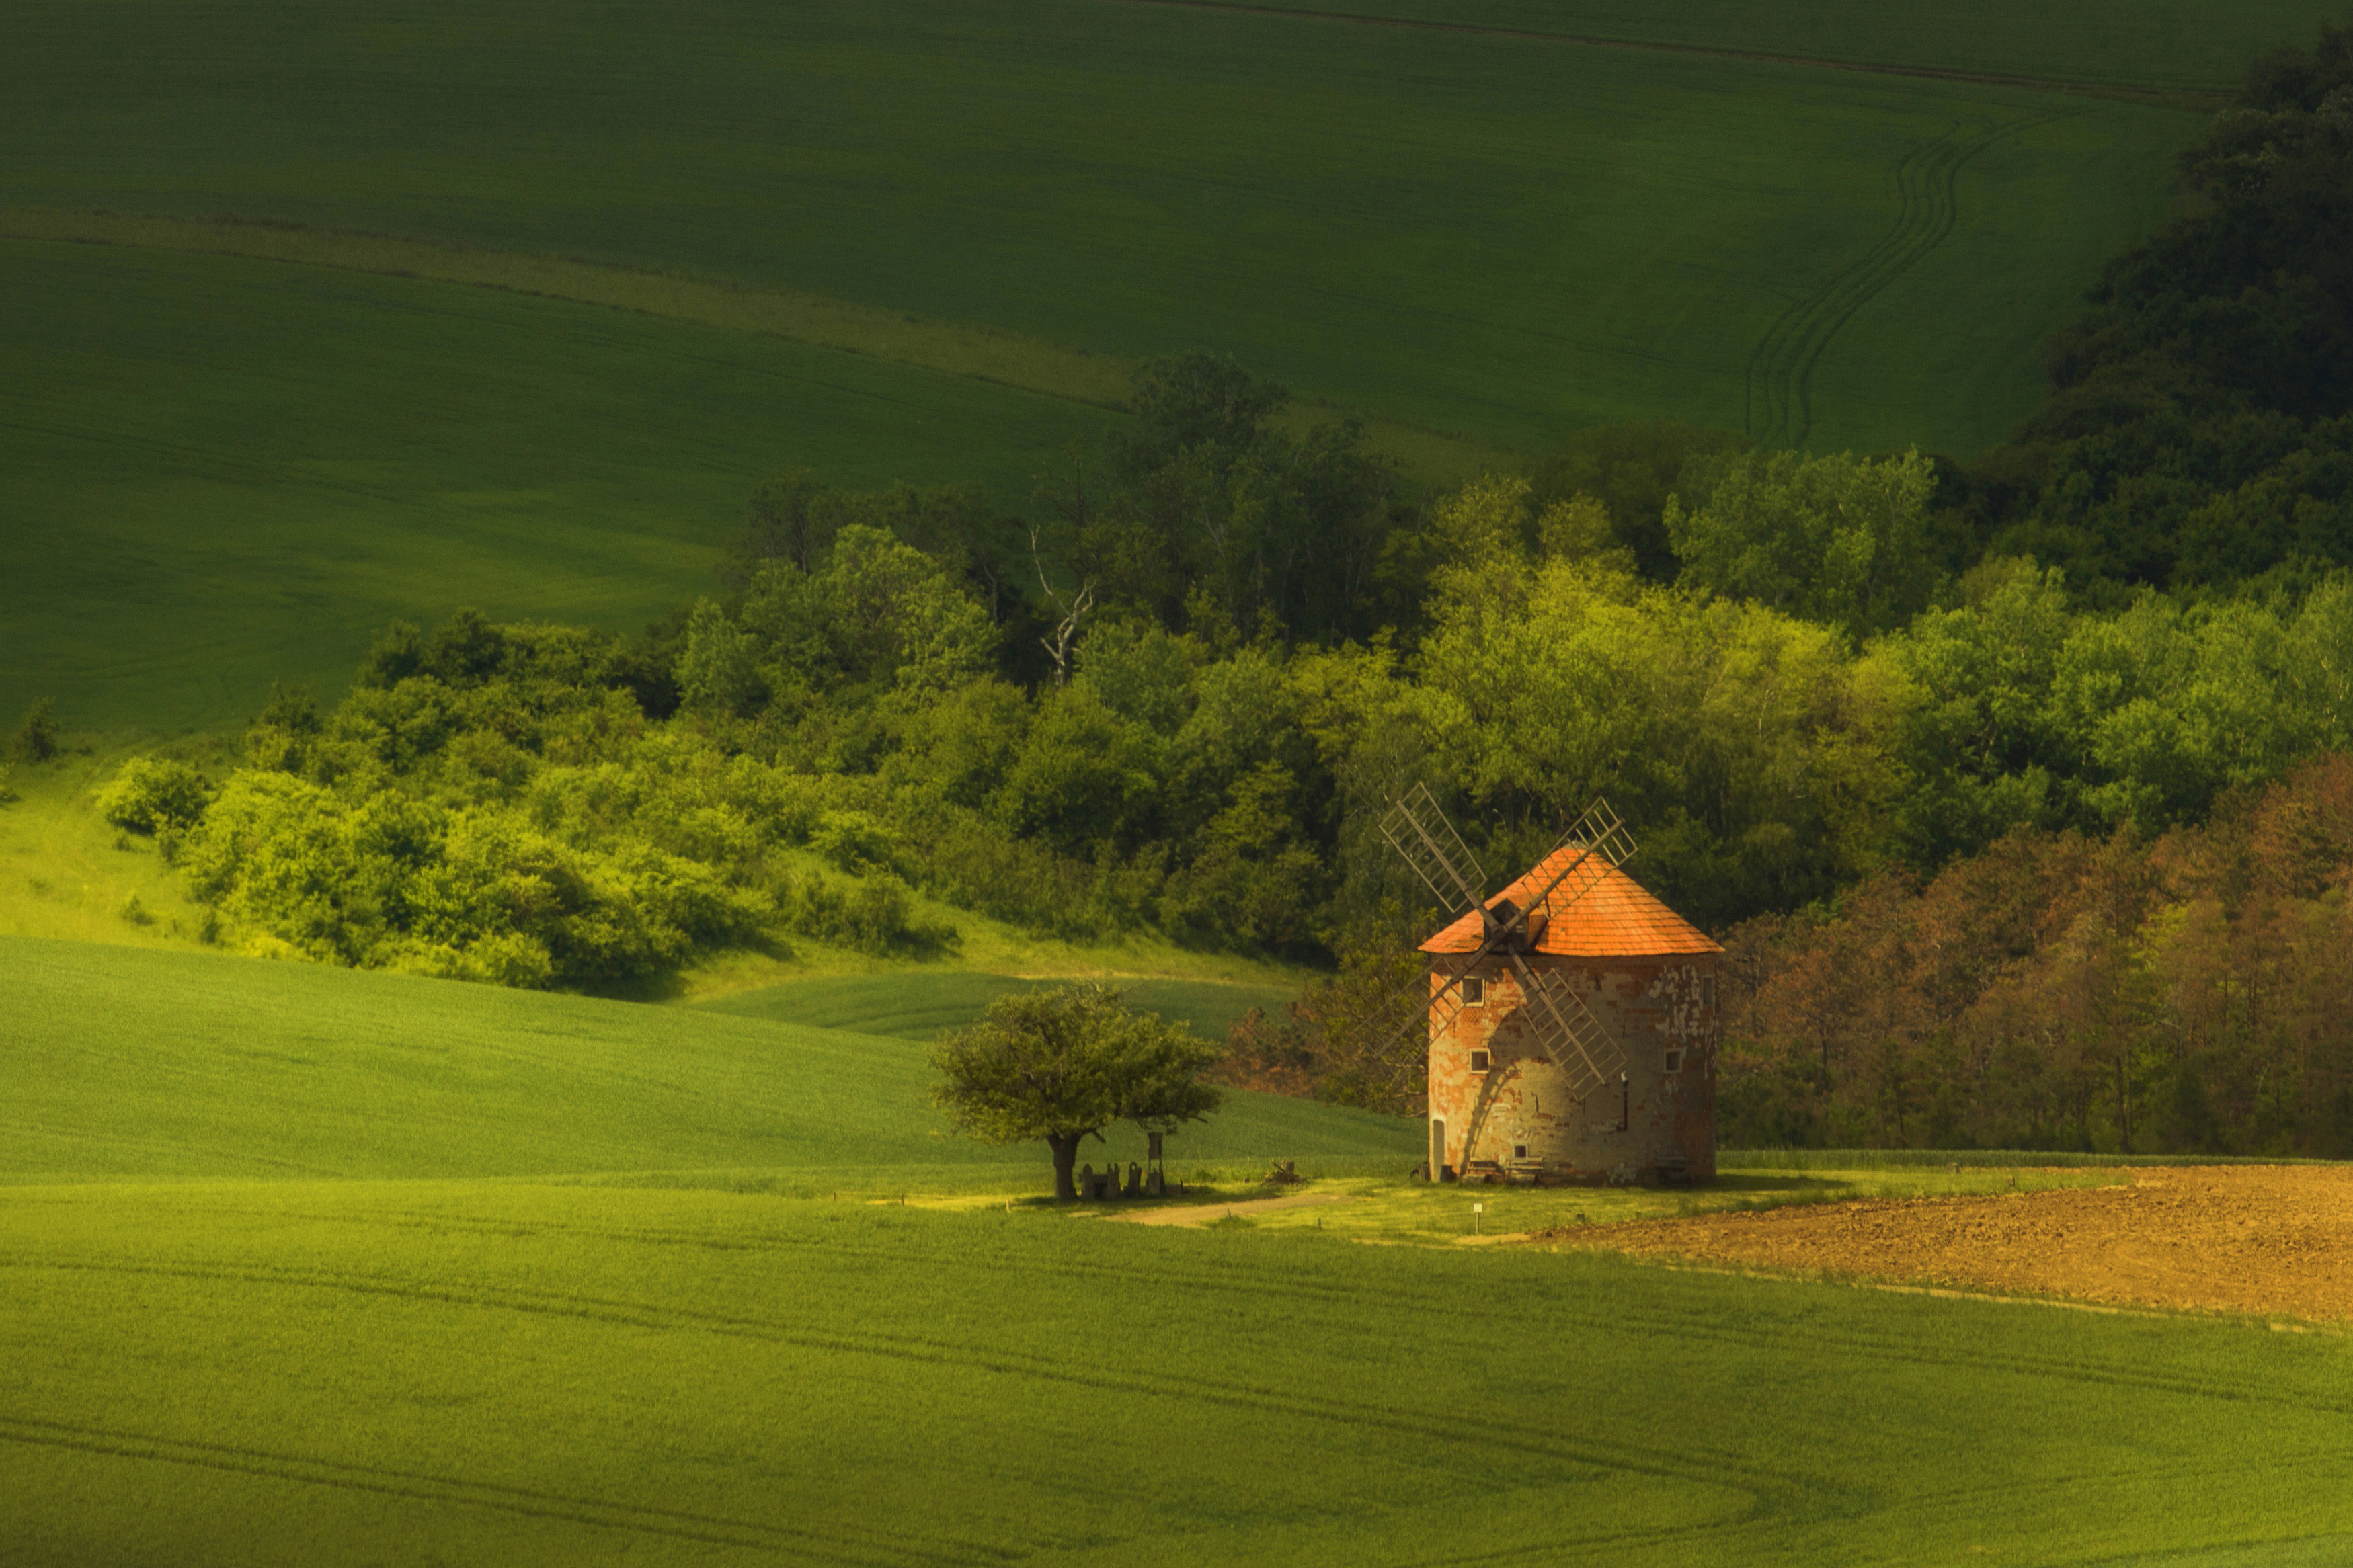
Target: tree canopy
<point x="2199" y="430"/>
<point x="1060" y="1066"/>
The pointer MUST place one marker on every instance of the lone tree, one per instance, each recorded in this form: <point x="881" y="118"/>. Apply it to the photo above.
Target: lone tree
<point x="1064" y="1064"/>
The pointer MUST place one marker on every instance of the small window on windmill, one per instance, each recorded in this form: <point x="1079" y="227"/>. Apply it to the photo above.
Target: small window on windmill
<point x="1519" y="1151"/>
<point x="1708" y="990"/>
<point x="1674" y="1061"/>
<point x="1475" y="992"/>
<point x="1478" y="1061"/>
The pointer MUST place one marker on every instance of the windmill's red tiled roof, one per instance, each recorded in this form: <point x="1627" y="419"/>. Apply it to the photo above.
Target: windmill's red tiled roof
<point x="1596" y="912"/>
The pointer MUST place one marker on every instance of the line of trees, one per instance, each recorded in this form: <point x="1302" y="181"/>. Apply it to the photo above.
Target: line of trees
<point x="2184" y="993"/>
<point x="505" y="801"/>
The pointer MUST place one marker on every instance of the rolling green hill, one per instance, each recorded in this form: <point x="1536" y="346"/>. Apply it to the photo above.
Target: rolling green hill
<point x="309" y="1266"/>
<point x="216" y="471"/>
<point x="1471" y="232"/>
<point x="2173" y="45"/>
<point x="917" y="1006"/>
<point x="221" y="472"/>
<point x="127" y="1062"/>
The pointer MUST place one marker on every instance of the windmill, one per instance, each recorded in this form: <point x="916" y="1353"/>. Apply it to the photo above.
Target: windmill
<point x="1563" y="1026"/>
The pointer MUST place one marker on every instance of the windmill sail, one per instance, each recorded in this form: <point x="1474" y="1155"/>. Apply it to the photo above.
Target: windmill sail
<point x="1562" y="1025"/>
<point x="1426" y="841"/>
<point x="1567" y="1031"/>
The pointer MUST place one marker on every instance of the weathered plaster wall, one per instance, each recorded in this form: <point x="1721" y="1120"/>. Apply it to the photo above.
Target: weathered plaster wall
<point x="1520" y="1115"/>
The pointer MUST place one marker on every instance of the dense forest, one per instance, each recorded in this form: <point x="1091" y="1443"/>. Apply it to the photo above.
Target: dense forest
<point x="1987" y="772"/>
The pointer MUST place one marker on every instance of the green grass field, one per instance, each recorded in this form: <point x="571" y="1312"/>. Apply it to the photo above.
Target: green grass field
<point x="305" y="1266"/>
<point x="219" y="470"/>
<point x="917" y="1006"/>
<point x="222" y="472"/>
<point x="2168" y="44"/>
<point x="419" y="1371"/>
<point x="1465" y="231"/>
<point x="125" y="1062"/>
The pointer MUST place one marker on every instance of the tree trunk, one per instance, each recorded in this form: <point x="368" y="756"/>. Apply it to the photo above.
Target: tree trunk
<point x="1065" y="1146"/>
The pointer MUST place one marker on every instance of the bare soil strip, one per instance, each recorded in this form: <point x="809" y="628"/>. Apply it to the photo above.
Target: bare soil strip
<point x="2177" y="98"/>
<point x="2240" y="1238"/>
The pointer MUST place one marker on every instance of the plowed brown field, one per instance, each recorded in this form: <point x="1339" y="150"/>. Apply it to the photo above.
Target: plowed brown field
<point x="2240" y="1238"/>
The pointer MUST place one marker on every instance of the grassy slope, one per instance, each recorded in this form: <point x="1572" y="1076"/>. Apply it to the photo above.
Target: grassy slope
<point x="917" y="1006"/>
<point x="1471" y="233"/>
<point x="130" y="1063"/>
<point x="65" y="873"/>
<point x="1424" y="456"/>
<point x="402" y="1364"/>
<point x="221" y="472"/>
<point x="2167" y="44"/>
<point x="325" y="1375"/>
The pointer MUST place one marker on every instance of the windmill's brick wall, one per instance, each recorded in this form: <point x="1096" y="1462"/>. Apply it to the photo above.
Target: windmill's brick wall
<point x="1661" y="1121"/>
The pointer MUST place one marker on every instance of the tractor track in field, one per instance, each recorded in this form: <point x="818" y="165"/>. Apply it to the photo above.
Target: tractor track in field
<point x="860" y="1550"/>
<point x="1684" y="1461"/>
<point x="1778" y="402"/>
<point x="1882" y="1347"/>
<point x="801" y="1544"/>
<point x="1778" y="406"/>
<point x="2198" y="99"/>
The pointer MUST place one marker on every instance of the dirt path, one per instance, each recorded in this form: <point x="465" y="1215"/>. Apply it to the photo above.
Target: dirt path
<point x="1202" y="1213"/>
<point x="2240" y="1238"/>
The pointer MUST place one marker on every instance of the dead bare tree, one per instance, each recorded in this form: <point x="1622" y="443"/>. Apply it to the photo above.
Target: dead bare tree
<point x="1070" y="608"/>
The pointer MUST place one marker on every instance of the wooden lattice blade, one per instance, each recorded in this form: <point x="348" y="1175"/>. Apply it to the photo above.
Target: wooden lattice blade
<point x="1567" y="1031"/>
<point x="1425" y="840"/>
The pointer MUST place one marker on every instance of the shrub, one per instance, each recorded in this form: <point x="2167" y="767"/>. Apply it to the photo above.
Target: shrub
<point x="855" y="841"/>
<point x="873" y="914"/>
<point x="968" y="863"/>
<point x="152" y="794"/>
<point x="36" y="739"/>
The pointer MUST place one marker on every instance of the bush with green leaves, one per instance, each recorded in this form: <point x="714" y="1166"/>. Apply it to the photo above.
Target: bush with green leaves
<point x="151" y="795"/>
<point x="855" y="841"/>
<point x="873" y="913"/>
<point x="491" y="803"/>
<point x="36" y="739"/>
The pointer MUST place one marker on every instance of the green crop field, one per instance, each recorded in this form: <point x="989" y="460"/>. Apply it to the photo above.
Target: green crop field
<point x="2167" y="45"/>
<point x="1467" y="231"/>
<point x="917" y="1006"/>
<point x="222" y="472"/>
<point x="216" y="469"/>
<point x="131" y="1062"/>
<point x="413" y="1371"/>
<point x="308" y="1266"/>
